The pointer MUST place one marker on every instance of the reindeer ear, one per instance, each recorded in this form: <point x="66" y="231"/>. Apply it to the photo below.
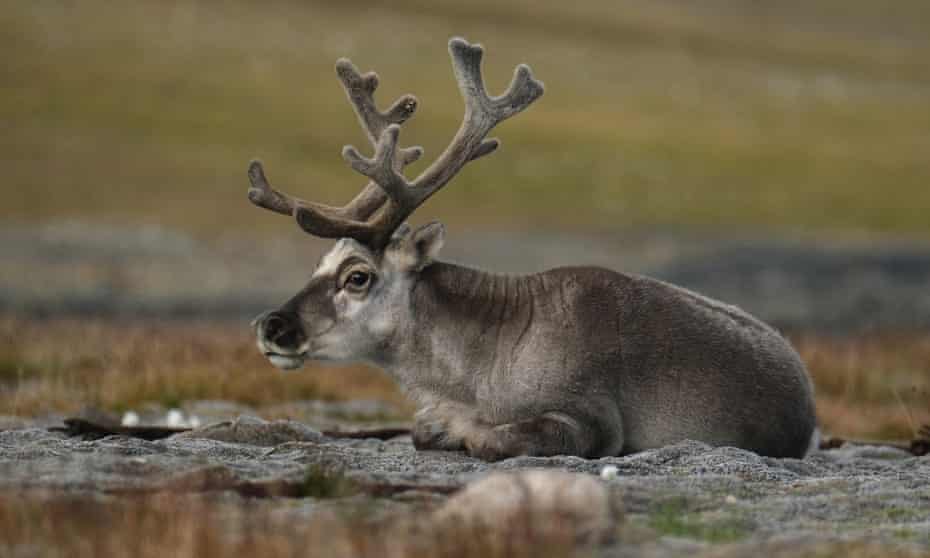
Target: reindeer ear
<point x="398" y="235"/>
<point x="415" y="250"/>
<point x="426" y="242"/>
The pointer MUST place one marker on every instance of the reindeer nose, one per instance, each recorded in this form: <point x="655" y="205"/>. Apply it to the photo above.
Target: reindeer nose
<point x="282" y="329"/>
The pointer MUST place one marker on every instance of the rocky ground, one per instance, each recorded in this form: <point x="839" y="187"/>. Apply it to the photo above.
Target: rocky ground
<point x="687" y="498"/>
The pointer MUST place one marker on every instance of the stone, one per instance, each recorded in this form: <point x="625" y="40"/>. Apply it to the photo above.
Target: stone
<point x="539" y="500"/>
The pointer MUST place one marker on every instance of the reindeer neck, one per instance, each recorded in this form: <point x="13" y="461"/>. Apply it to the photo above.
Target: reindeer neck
<point x="465" y="323"/>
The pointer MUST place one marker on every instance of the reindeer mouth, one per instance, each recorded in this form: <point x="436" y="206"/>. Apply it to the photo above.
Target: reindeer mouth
<point x="286" y="362"/>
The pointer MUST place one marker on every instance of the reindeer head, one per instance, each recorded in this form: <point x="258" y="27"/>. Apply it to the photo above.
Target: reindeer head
<point x="359" y="292"/>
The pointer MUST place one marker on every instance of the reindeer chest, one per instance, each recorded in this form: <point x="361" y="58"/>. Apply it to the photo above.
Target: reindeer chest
<point x="510" y="394"/>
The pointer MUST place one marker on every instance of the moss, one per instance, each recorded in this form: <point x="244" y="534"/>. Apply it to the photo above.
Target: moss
<point x="905" y="534"/>
<point x="170" y="400"/>
<point x="14" y="370"/>
<point x="323" y="482"/>
<point x="672" y="518"/>
<point x="897" y="514"/>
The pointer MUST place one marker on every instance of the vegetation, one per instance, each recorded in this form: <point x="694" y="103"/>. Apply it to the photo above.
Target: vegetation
<point x="320" y="482"/>
<point x="82" y="526"/>
<point x="76" y="525"/>
<point x="809" y="116"/>
<point x="672" y="518"/>
<point x="869" y="387"/>
<point x="68" y="363"/>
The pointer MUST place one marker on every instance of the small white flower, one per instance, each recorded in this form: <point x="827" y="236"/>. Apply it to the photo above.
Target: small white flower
<point x="609" y="472"/>
<point x="175" y="418"/>
<point x="130" y="419"/>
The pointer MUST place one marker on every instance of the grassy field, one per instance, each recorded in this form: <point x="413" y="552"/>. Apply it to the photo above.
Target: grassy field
<point x="875" y="387"/>
<point x="811" y="116"/>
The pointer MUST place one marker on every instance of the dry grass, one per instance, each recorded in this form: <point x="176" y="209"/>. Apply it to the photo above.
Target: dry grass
<point x="795" y="549"/>
<point x="82" y="526"/>
<point x="62" y="365"/>
<point x="871" y="387"/>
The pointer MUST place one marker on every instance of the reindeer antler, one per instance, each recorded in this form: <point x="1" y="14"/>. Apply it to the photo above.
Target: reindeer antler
<point x="373" y="215"/>
<point x="334" y="222"/>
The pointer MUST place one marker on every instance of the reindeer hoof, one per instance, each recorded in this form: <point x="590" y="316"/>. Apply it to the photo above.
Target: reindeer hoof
<point x="431" y="437"/>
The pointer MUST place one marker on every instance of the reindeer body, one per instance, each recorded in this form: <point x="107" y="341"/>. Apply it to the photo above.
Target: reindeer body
<point x="633" y="362"/>
<point x="581" y="361"/>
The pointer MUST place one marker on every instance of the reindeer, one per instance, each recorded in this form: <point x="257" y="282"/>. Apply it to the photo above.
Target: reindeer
<point x="576" y="360"/>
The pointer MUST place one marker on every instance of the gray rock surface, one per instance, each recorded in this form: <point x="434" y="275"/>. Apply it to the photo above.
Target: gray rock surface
<point x="676" y="499"/>
<point x="254" y="431"/>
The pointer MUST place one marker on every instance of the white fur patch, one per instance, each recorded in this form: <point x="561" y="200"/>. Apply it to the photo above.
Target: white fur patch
<point x="286" y="362"/>
<point x="329" y="264"/>
<point x="401" y="258"/>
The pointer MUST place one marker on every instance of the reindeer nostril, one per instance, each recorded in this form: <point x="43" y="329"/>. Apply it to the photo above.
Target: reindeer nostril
<point x="283" y="330"/>
<point x="273" y="326"/>
<point x="287" y="339"/>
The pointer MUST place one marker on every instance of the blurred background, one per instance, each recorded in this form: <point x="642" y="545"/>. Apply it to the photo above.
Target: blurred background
<point x="774" y="155"/>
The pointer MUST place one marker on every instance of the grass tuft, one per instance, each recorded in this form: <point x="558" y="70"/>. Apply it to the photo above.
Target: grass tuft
<point x="322" y="482"/>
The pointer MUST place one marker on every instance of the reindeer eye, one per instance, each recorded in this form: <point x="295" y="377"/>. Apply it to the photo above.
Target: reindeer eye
<point x="357" y="280"/>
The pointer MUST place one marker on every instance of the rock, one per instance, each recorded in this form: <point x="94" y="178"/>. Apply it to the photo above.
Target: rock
<point x="210" y="410"/>
<point x="9" y="422"/>
<point x="571" y="505"/>
<point x="690" y="492"/>
<point x="255" y="432"/>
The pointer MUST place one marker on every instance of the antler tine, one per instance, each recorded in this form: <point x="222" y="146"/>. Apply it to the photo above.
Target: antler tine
<point x="321" y="220"/>
<point x="380" y="168"/>
<point x="481" y="110"/>
<point x="263" y="195"/>
<point x="360" y="89"/>
<point x="349" y="220"/>
<point x="482" y="113"/>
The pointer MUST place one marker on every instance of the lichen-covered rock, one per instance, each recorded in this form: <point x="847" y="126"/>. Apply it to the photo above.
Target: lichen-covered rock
<point x="572" y="505"/>
<point x="689" y="491"/>
<point x="255" y="432"/>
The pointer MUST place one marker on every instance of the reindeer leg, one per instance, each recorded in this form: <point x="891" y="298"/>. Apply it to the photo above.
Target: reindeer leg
<point x="444" y="426"/>
<point x="548" y="434"/>
<point x="433" y="435"/>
